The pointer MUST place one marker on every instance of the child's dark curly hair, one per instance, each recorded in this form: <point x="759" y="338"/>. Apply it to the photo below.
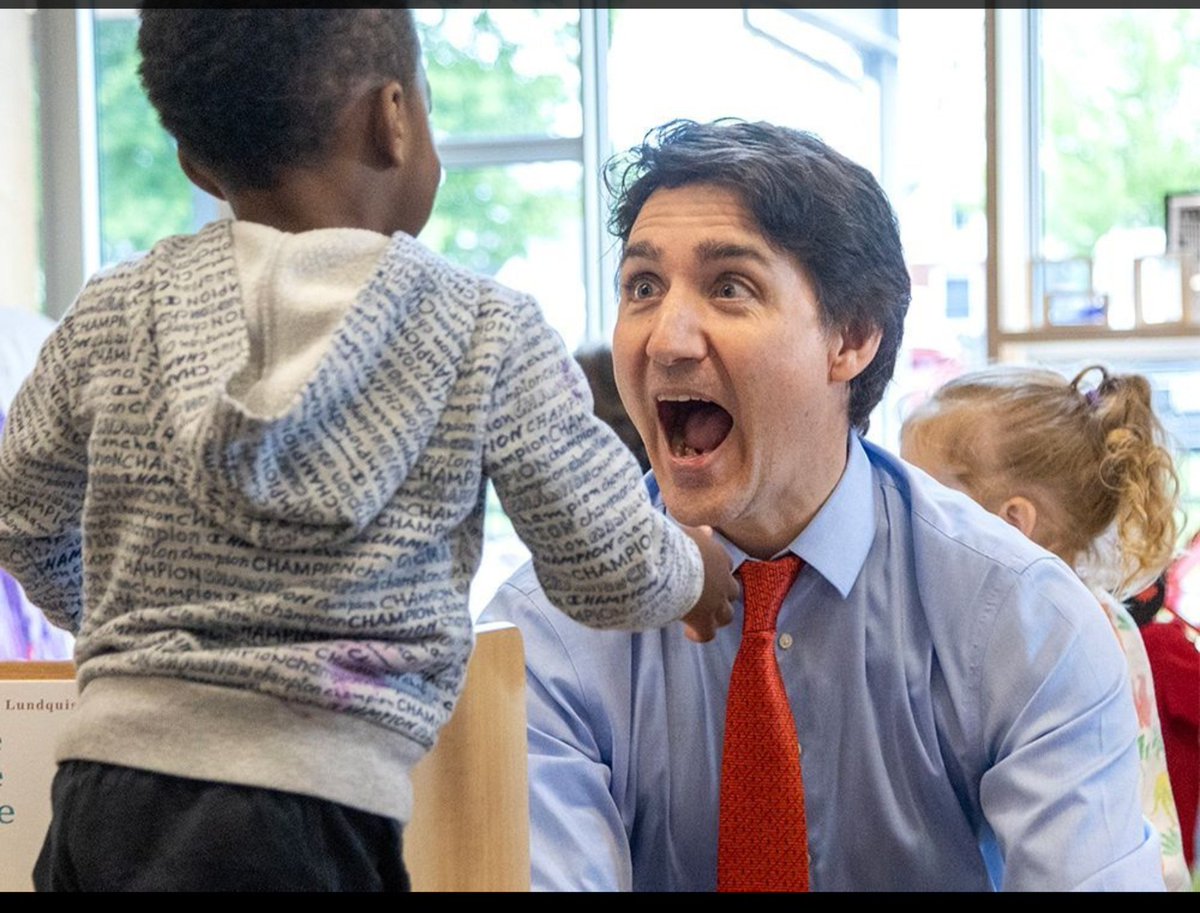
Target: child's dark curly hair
<point x="247" y="92"/>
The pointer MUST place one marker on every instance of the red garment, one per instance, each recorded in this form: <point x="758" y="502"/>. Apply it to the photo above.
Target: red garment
<point x="1175" y="666"/>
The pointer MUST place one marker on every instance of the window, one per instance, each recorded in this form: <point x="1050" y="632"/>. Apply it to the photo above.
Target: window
<point x="508" y="118"/>
<point x="1119" y="90"/>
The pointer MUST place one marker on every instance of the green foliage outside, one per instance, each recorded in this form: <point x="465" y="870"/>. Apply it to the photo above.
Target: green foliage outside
<point x="485" y="217"/>
<point x="478" y="89"/>
<point x="144" y="195"/>
<point x="1123" y="136"/>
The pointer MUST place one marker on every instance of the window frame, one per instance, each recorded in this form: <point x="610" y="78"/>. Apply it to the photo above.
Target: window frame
<point x="70" y="229"/>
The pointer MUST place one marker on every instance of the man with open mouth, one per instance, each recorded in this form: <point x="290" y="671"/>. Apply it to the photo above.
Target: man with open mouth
<point x="955" y="714"/>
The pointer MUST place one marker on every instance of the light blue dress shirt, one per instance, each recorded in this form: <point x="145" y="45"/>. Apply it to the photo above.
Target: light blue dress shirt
<point x="963" y="711"/>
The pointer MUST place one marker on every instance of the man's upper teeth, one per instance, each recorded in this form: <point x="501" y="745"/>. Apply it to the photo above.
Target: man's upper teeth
<point x="681" y="398"/>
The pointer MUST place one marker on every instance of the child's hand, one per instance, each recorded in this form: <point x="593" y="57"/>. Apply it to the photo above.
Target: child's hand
<point x="715" y="608"/>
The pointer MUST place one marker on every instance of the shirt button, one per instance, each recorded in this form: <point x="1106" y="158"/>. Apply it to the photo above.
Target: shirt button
<point x="785" y="641"/>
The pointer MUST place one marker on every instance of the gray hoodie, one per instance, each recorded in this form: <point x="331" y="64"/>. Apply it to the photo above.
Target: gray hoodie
<point x="249" y="471"/>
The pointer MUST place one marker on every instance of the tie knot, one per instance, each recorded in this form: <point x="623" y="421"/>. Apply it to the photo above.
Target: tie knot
<point x="764" y="584"/>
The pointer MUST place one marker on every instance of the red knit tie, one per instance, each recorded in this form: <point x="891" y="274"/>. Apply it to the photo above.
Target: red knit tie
<point x="763" y="840"/>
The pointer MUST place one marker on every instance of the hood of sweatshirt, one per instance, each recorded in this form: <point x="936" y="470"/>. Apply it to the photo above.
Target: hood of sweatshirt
<point x="294" y="380"/>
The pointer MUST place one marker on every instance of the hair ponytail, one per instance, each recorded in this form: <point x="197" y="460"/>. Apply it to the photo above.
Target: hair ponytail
<point x="1136" y="466"/>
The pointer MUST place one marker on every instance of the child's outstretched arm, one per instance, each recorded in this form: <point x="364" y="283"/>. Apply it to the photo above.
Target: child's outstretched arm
<point x="603" y="553"/>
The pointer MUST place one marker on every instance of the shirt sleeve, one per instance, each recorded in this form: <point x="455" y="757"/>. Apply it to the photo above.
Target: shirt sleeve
<point x="578" y="840"/>
<point x="43" y="477"/>
<point x="574" y="493"/>
<point x="1061" y="785"/>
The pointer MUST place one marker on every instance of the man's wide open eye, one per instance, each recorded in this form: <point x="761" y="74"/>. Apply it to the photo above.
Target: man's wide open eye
<point x="732" y="289"/>
<point x="639" y="287"/>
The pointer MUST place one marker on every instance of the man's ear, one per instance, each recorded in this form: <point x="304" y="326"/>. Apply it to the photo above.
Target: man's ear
<point x="198" y="175"/>
<point x="1020" y="512"/>
<point x="855" y="349"/>
<point x="389" y="124"/>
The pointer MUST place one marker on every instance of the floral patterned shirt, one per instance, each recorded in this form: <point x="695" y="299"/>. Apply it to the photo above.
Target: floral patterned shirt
<point x="1158" y="801"/>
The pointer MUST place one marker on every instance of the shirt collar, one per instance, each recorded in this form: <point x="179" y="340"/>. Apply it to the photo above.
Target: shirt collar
<point x="836" y="542"/>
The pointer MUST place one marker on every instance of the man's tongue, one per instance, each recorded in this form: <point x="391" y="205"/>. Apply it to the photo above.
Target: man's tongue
<point x="704" y="427"/>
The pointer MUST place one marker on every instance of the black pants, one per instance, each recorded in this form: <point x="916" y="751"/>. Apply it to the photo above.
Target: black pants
<point x="121" y="829"/>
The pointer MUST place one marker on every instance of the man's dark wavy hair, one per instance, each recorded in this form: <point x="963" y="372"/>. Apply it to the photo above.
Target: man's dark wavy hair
<point x="809" y="201"/>
<point x="248" y="92"/>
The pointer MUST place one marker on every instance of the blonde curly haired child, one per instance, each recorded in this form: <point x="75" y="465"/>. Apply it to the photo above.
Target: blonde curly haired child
<point x="1082" y="467"/>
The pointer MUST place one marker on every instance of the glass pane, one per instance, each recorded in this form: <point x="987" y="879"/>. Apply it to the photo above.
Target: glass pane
<point x="502" y="72"/>
<point x="523" y="225"/>
<point x="940" y="198"/>
<point x="1120" y="92"/>
<point x="757" y="65"/>
<point x="144" y="195"/>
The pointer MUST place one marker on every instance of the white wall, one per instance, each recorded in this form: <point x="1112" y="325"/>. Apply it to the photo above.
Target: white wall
<point x="18" y="170"/>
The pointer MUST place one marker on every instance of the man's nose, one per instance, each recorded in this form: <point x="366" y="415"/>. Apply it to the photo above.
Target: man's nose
<point x="678" y="332"/>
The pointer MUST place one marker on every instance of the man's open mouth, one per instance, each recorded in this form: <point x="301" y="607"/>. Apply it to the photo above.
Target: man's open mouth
<point x="693" y="426"/>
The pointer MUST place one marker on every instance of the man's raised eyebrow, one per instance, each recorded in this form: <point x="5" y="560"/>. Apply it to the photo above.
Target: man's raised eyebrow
<point x="711" y="251"/>
<point x="643" y="250"/>
<point x="707" y="251"/>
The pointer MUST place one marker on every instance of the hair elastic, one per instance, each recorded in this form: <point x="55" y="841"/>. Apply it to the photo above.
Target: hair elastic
<point x="1092" y="396"/>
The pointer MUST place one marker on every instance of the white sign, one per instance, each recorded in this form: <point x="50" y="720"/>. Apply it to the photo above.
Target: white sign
<point x="32" y="713"/>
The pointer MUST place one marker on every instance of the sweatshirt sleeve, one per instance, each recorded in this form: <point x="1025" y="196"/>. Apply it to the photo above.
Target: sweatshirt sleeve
<point x="43" y="475"/>
<point x="574" y="493"/>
